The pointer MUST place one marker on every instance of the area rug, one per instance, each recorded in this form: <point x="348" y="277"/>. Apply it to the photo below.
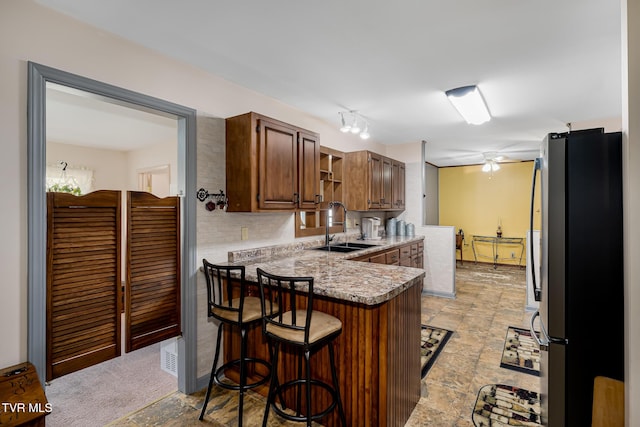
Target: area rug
<point x="521" y="351"/>
<point x="432" y="341"/>
<point x="505" y="405"/>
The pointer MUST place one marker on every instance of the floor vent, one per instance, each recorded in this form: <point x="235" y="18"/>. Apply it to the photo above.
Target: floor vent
<point x="169" y="356"/>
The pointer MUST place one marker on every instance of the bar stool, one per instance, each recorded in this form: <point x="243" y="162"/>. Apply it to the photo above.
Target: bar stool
<point x="223" y="282"/>
<point x="303" y="329"/>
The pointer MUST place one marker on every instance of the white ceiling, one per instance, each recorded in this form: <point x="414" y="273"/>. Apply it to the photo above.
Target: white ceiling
<point x="539" y="63"/>
<point x="82" y="118"/>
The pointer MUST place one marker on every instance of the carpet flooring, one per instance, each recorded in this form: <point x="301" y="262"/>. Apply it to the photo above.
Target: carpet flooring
<point x="105" y="392"/>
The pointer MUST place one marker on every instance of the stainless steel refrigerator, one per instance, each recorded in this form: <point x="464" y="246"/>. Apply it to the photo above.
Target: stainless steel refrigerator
<point x="580" y="288"/>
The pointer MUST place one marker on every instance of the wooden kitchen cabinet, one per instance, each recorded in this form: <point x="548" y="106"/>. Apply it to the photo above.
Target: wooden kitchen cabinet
<point x="270" y="165"/>
<point x="312" y="222"/>
<point x="389" y="257"/>
<point x="409" y="255"/>
<point x="371" y="183"/>
<point x="412" y="255"/>
<point x="398" y="176"/>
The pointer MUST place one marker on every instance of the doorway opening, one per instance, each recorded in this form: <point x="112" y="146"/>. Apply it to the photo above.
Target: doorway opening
<point x="39" y="77"/>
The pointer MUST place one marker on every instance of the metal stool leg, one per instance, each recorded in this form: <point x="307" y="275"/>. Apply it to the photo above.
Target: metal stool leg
<point x="273" y="382"/>
<point x="307" y="356"/>
<point x="213" y="370"/>
<point x="299" y="387"/>
<point x="243" y="372"/>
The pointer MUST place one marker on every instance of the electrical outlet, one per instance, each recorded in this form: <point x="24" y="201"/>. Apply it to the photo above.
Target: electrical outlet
<point x="244" y="233"/>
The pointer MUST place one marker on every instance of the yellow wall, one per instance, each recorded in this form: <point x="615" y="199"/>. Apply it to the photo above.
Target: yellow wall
<point x="477" y="201"/>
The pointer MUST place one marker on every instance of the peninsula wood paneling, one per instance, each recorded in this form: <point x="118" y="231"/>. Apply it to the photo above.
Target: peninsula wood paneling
<point x="83" y="280"/>
<point x="153" y="269"/>
<point x="377" y="359"/>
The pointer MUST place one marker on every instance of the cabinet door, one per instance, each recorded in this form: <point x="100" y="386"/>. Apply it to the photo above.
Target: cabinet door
<point x="278" y="173"/>
<point x="392" y="257"/>
<point x="308" y="170"/>
<point x="398" y="185"/>
<point x="375" y="188"/>
<point x="387" y="193"/>
<point x="378" y="258"/>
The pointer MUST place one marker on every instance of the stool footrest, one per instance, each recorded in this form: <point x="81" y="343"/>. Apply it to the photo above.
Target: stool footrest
<point x="236" y="363"/>
<point x="302" y="382"/>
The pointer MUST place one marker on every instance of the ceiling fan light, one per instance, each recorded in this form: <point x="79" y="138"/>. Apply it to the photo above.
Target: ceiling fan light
<point x="494" y="166"/>
<point x="470" y="104"/>
<point x="486" y="167"/>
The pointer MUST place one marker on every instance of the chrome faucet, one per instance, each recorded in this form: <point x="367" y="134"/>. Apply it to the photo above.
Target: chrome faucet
<point x="344" y="221"/>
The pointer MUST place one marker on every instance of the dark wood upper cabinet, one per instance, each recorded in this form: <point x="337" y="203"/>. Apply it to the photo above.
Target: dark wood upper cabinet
<point x="278" y="173"/>
<point x="386" y="196"/>
<point x="398" y="176"/>
<point x="373" y="182"/>
<point x="308" y="170"/>
<point x="270" y="165"/>
<point x="376" y="188"/>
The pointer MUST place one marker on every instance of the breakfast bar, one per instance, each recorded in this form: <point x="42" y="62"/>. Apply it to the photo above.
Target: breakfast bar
<point x="378" y="352"/>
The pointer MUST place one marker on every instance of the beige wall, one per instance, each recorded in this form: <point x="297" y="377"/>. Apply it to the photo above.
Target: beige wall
<point x="161" y="154"/>
<point x="109" y="166"/>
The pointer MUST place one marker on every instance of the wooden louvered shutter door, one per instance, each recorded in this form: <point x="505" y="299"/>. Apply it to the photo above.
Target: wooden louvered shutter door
<point x="153" y="269"/>
<point x="83" y="280"/>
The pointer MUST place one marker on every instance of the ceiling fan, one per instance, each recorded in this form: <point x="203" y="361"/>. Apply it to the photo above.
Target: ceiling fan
<point x="491" y="160"/>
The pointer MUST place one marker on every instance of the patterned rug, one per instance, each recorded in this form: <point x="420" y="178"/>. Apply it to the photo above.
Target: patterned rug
<point x="432" y="341"/>
<point x="505" y="405"/>
<point x="521" y="352"/>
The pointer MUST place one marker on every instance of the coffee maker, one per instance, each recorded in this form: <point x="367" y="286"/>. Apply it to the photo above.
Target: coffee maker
<point x="370" y="228"/>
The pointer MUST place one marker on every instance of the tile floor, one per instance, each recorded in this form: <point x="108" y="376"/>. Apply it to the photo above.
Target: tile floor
<point x="487" y="302"/>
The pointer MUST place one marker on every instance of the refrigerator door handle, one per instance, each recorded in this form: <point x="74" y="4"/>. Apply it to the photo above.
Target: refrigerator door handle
<point x="544" y="340"/>
<point x="537" y="165"/>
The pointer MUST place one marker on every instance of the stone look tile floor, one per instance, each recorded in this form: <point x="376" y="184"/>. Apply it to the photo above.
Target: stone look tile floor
<point x="487" y="302"/>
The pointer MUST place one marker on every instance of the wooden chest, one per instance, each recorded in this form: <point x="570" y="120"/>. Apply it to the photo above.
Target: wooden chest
<point x="22" y="399"/>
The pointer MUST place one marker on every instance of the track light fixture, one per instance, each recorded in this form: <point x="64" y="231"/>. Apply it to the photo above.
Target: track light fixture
<point x="353" y="123"/>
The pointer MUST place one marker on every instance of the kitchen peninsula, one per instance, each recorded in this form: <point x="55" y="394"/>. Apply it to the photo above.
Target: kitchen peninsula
<point x="378" y="352"/>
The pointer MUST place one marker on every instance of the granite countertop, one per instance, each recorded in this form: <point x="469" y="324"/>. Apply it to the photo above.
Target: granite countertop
<point x="335" y="275"/>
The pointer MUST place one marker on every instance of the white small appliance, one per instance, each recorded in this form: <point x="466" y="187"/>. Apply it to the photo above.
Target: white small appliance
<point x="370" y="228"/>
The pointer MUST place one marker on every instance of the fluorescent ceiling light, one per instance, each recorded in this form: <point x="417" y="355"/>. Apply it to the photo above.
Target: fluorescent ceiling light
<point x="470" y="104"/>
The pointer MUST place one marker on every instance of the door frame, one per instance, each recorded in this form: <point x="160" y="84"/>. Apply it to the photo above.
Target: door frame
<point x="38" y="76"/>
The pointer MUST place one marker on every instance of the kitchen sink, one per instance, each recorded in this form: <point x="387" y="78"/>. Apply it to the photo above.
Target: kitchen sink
<point x="355" y="245"/>
<point x="344" y="247"/>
